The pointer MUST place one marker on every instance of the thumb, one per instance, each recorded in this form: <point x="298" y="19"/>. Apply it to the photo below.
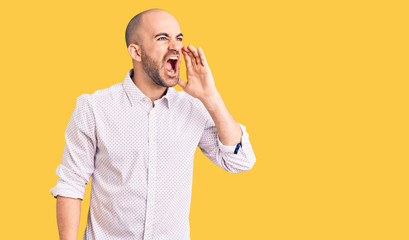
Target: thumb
<point x="182" y="84"/>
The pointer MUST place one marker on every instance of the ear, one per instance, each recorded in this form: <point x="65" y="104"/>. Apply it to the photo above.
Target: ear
<point x="135" y="52"/>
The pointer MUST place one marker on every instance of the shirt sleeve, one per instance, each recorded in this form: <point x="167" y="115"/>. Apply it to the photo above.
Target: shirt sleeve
<point x="78" y="155"/>
<point x="234" y="159"/>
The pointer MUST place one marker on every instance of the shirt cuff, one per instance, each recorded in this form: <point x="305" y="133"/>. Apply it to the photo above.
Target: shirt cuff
<point x="65" y="190"/>
<point x="232" y="149"/>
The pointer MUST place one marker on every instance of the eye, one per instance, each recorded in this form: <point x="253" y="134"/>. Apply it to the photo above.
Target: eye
<point x="180" y="39"/>
<point x="161" y="38"/>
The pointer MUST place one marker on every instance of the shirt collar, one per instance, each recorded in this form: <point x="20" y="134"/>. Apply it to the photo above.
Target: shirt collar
<point x="135" y="94"/>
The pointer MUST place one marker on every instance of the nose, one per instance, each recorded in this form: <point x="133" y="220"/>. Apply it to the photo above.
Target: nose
<point x="175" y="45"/>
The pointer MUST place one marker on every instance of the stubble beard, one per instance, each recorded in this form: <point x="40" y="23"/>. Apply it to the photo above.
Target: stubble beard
<point x="152" y="69"/>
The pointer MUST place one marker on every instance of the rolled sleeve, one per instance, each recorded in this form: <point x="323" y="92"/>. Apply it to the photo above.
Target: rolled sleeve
<point x="227" y="157"/>
<point x="66" y="189"/>
<point x="78" y="155"/>
<point x="232" y="149"/>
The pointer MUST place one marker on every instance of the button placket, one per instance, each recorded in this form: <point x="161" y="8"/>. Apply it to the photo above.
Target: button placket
<point x="150" y="206"/>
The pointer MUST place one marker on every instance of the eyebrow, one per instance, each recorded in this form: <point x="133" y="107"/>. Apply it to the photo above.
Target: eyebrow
<point x="167" y="35"/>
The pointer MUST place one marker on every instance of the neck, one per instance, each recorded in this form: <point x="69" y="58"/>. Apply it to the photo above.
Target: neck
<point x="146" y="84"/>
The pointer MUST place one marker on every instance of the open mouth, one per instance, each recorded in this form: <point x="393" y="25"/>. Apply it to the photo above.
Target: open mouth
<point x="171" y="65"/>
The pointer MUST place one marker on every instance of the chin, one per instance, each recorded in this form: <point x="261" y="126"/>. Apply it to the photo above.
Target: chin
<point x="174" y="82"/>
<point x="171" y="81"/>
<point x="168" y="81"/>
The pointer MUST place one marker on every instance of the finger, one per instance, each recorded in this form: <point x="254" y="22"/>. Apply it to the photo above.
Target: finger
<point x="192" y="58"/>
<point x="195" y="54"/>
<point x="188" y="60"/>
<point x="202" y="56"/>
<point x="182" y="84"/>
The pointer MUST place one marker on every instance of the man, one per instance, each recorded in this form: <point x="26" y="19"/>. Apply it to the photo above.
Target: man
<point x="137" y="140"/>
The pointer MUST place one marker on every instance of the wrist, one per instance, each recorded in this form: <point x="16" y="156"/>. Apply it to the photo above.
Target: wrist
<point x="212" y="101"/>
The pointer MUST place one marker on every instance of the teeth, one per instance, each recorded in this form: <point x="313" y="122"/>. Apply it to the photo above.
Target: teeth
<point x="174" y="58"/>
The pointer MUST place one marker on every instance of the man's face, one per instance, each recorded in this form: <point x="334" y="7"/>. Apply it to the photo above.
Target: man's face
<point x="161" y="48"/>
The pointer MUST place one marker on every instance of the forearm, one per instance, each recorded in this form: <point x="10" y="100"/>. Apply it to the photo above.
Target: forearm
<point x="228" y="129"/>
<point x="201" y="85"/>
<point x="68" y="217"/>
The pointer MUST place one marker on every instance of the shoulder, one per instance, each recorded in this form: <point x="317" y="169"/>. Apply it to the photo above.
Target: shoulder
<point x="102" y="96"/>
<point x="183" y="101"/>
<point x="182" y="98"/>
<point x="109" y="92"/>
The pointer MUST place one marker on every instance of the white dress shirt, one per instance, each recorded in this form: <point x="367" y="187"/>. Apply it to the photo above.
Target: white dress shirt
<point x="140" y="159"/>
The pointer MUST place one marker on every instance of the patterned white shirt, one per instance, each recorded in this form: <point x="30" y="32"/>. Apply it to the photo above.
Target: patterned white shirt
<point x="140" y="159"/>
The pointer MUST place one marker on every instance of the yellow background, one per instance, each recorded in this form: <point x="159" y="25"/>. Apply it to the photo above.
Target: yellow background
<point x="322" y="87"/>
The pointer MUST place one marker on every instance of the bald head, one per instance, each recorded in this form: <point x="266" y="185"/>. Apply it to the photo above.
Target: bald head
<point x="132" y="33"/>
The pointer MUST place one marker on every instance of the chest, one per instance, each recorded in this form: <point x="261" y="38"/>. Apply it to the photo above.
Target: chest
<point x="132" y="132"/>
